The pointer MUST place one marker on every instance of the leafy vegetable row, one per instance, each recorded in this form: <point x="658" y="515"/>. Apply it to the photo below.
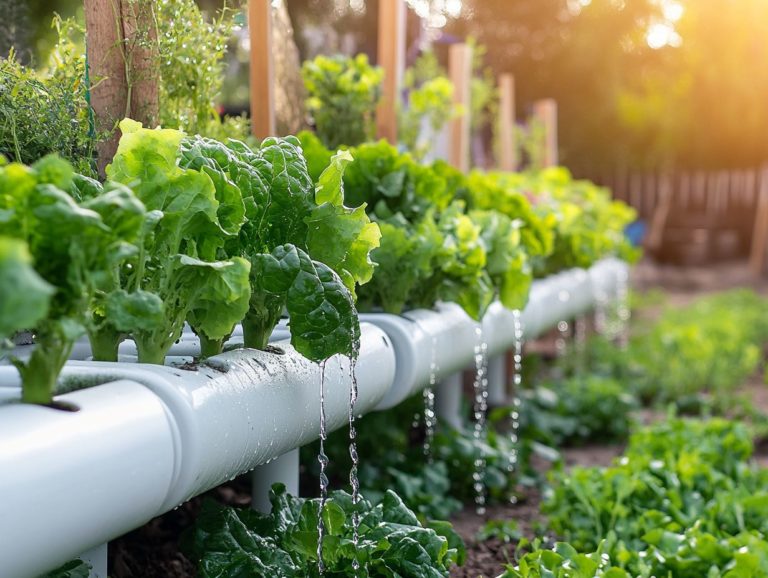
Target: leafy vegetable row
<point x="185" y="230"/>
<point x="191" y="230"/>
<point x="683" y="501"/>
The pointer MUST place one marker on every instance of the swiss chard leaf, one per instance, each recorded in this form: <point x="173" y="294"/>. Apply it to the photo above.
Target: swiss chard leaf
<point x="322" y="314"/>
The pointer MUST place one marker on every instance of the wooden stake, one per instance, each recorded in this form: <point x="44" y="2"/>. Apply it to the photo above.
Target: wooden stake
<point x="391" y="57"/>
<point x="262" y="75"/>
<point x="140" y="34"/>
<point x="507" y="127"/>
<point x="460" y="66"/>
<point x="760" y="230"/>
<point x="546" y="111"/>
<point x="109" y="93"/>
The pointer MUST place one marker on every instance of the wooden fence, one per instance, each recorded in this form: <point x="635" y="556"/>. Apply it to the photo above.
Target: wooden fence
<point x="698" y="216"/>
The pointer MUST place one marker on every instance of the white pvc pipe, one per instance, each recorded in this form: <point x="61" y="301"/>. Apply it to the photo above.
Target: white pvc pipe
<point x="69" y="481"/>
<point x="497" y="380"/>
<point x="97" y="558"/>
<point x="448" y="400"/>
<point x="139" y="448"/>
<point x="283" y="470"/>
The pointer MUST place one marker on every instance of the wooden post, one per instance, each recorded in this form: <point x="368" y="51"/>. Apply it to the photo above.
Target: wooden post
<point x="109" y="96"/>
<point x="262" y="75"/>
<point x="460" y="71"/>
<point x="140" y="34"/>
<point x="122" y="60"/>
<point x="546" y="111"/>
<point x="391" y="58"/>
<point x="507" y="127"/>
<point x="760" y="230"/>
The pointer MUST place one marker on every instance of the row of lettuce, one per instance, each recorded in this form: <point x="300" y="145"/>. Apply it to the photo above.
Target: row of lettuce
<point x="189" y="229"/>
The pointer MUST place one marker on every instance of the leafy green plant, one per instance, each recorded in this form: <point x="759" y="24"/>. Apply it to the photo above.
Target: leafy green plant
<point x="581" y="409"/>
<point x="233" y="237"/>
<point x="675" y="476"/>
<point x="47" y="112"/>
<point x="711" y="345"/>
<point x="26" y="297"/>
<point x="192" y="67"/>
<point x="430" y="103"/>
<point x="507" y="531"/>
<point x="392" y="542"/>
<point x="73" y="248"/>
<point x="343" y="94"/>
<point x="563" y="561"/>
<point x="683" y="501"/>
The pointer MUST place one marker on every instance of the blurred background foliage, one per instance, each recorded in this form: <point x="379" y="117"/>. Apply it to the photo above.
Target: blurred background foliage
<point x="640" y="83"/>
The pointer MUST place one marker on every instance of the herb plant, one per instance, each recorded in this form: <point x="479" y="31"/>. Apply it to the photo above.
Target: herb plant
<point x="343" y="94"/>
<point x="392" y="542"/>
<point x="47" y="112"/>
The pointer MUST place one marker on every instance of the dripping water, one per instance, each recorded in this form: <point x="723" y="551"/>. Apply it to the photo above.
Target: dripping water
<point x="353" y="481"/>
<point x="561" y="347"/>
<point x="580" y="341"/>
<point x="323" y="459"/>
<point x="517" y="382"/>
<point x="429" y="405"/>
<point x="480" y="387"/>
<point x="601" y="316"/>
<point x="623" y="311"/>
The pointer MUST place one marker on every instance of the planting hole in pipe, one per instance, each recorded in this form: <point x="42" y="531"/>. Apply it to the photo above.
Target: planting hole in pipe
<point x="63" y="406"/>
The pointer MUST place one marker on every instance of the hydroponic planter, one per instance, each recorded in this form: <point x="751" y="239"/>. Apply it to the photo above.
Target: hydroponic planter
<point x="440" y="340"/>
<point x="445" y="338"/>
<point x="72" y="480"/>
<point x="154" y="436"/>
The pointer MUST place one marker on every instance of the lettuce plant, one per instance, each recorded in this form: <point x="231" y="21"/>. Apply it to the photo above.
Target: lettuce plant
<point x="228" y="542"/>
<point x="242" y="235"/>
<point x="73" y="249"/>
<point x="24" y="296"/>
<point x="343" y="94"/>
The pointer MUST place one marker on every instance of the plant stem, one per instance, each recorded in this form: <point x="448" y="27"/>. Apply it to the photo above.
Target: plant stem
<point x="105" y="342"/>
<point x="40" y="372"/>
<point x="258" y="326"/>
<point x="210" y="347"/>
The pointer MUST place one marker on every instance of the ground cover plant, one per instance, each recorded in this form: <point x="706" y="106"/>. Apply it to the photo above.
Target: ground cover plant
<point x="684" y="500"/>
<point x="391" y="541"/>
<point x="577" y="410"/>
<point x="711" y="345"/>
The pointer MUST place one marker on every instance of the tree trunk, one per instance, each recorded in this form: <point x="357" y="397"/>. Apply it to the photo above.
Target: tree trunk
<point x="122" y="59"/>
<point x="140" y="33"/>
<point x="109" y="87"/>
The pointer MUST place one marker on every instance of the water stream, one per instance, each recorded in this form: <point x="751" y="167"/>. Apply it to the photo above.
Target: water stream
<point x="323" y="459"/>
<point x="429" y="405"/>
<point x="480" y="388"/>
<point x="353" y="481"/>
<point x="517" y="382"/>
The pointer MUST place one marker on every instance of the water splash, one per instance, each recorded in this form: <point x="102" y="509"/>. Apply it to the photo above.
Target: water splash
<point x="480" y="387"/>
<point x="323" y="459"/>
<point x="353" y="480"/>
<point x="429" y="405"/>
<point x="517" y="382"/>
